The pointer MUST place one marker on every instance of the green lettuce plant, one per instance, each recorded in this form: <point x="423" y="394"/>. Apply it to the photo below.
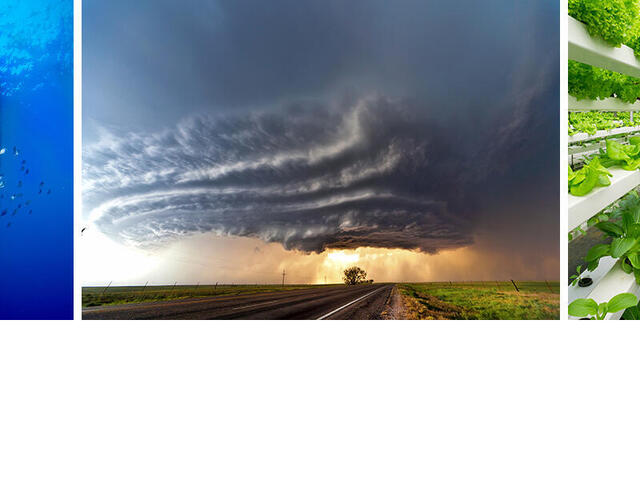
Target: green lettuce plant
<point x="591" y="122"/>
<point x="617" y="154"/>
<point x="592" y="83"/>
<point x="612" y="20"/>
<point x="589" y="308"/>
<point x="591" y="175"/>
<point x="625" y="244"/>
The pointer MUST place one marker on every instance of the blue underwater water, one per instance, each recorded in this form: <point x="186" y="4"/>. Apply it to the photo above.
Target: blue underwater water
<point x="36" y="167"/>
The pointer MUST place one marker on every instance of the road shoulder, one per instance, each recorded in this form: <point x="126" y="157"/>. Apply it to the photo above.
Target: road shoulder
<point x="395" y="308"/>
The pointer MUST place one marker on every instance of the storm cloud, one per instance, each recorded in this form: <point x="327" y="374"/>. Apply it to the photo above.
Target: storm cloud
<point x="373" y="172"/>
<point x="320" y="124"/>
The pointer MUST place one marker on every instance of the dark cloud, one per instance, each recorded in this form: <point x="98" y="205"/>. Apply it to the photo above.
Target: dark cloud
<point x="372" y="172"/>
<point x="318" y="124"/>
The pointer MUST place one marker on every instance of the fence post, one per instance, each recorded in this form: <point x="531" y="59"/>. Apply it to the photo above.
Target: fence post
<point x="514" y="284"/>
<point x="105" y="289"/>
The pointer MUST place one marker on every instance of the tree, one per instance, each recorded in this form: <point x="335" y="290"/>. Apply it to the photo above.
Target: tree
<point x="354" y="275"/>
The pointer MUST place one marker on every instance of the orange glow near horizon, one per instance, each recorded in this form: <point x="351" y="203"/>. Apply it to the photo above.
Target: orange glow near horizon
<point x="208" y="258"/>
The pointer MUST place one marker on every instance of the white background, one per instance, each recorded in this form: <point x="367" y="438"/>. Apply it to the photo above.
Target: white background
<point x="320" y="400"/>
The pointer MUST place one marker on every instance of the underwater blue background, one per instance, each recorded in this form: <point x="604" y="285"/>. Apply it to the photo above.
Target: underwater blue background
<point x="36" y="117"/>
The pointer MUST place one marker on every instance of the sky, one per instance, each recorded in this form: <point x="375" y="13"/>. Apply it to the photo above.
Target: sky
<point x="229" y="140"/>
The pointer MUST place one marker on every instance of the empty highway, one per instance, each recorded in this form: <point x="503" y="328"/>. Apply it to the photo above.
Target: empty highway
<point x="359" y="302"/>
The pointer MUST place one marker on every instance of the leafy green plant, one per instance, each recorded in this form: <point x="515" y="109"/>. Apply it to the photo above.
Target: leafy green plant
<point x="576" y="232"/>
<point x="591" y="175"/>
<point x="625" y="244"/>
<point x="592" y="83"/>
<point x="591" y="122"/>
<point x="612" y="20"/>
<point x="613" y="212"/>
<point x="576" y="277"/>
<point x="631" y="313"/>
<point x="594" y="172"/>
<point x="589" y="308"/>
<point x="617" y="154"/>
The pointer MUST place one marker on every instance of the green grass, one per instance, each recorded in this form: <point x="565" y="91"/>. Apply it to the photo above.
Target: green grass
<point x="96" y="296"/>
<point x="483" y="300"/>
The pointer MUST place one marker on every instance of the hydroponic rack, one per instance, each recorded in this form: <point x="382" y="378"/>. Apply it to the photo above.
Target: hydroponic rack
<point x="609" y="278"/>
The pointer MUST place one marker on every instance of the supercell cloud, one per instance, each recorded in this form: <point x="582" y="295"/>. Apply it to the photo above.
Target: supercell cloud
<point x="371" y="172"/>
<point x="251" y="127"/>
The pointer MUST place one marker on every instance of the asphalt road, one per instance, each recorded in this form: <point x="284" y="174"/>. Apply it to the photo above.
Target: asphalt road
<point x="359" y="302"/>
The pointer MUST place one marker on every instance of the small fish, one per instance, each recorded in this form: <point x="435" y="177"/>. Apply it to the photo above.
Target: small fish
<point x="4" y="212"/>
<point x="13" y="197"/>
<point x="2" y="151"/>
<point x="39" y="191"/>
<point x="83" y="229"/>
<point x="28" y="202"/>
<point x="26" y="172"/>
<point x="19" y="205"/>
<point x="23" y="162"/>
<point x="16" y="151"/>
<point x="48" y="191"/>
<point x="41" y="184"/>
<point x="14" y="213"/>
<point x="30" y="212"/>
<point x="1" y="184"/>
<point x="8" y="224"/>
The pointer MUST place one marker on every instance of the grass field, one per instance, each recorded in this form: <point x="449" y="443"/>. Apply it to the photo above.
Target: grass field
<point x="482" y="300"/>
<point x="95" y="296"/>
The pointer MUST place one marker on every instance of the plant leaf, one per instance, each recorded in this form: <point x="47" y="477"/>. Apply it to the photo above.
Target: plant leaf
<point x="634" y="258"/>
<point x="631" y="313"/>
<point x="619" y="246"/>
<point x="615" y="151"/>
<point x="622" y="301"/>
<point x="598" y="251"/>
<point x="610" y="229"/>
<point x="633" y="230"/>
<point x="583" y="307"/>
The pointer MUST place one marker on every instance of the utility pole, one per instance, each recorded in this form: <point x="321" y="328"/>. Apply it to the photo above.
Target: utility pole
<point x="283" y="274"/>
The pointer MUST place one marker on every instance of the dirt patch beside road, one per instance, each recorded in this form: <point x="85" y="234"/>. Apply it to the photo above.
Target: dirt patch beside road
<point x="395" y="308"/>
<point x="431" y="308"/>
<point x="404" y="307"/>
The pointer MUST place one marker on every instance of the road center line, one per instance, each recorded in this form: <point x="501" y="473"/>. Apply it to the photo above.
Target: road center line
<point x="350" y="303"/>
